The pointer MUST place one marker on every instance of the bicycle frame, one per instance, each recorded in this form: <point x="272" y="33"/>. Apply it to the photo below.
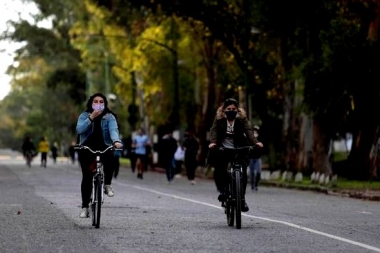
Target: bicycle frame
<point x="99" y="172"/>
<point x="97" y="197"/>
<point x="233" y="204"/>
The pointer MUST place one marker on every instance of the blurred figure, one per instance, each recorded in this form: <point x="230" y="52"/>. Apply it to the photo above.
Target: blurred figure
<point x="72" y="152"/>
<point x="117" y="155"/>
<point x="43" y="148"/>
<point x="168" y="147"/>
<point x="131" y="153"/>
<point x="28" y="150"/>
<point x="191" y="146"/>
<point x="54" y="152"/>
<point x="255" y="165"/>
<point x="179" y="157"/>
<point x="140" y="142"/>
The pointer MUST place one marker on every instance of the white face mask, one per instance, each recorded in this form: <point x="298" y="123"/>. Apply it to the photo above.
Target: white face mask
<point x="99" y="107"/>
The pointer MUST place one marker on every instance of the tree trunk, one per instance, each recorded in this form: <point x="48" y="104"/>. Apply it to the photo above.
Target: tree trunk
<point x="321" y="147"/>
<point x="207" y="109"/>
<point x="359" y="157"/>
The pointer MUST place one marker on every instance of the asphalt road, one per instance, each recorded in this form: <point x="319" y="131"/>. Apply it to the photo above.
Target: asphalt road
<point x="39" y="212"/>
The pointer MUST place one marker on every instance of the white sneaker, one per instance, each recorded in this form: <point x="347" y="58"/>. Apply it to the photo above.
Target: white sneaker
<point x="193" y="182"/>
<point x="85" y="213"/>
<point x="109" y="191"/>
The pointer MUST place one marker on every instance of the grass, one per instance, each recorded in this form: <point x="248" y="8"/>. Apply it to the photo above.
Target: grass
<point x="342" y="184"/>
<point x="125" y="162"/>
<point x="357" y="185"/>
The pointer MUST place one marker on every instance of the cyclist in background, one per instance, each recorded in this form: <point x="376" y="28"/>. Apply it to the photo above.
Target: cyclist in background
<point x="97" y="128"/>
<point x="230" y="129"/>
<point x="28" y="149"/>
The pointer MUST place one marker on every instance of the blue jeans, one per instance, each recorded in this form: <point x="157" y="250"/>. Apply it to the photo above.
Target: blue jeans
<point x="255" y="172"/>
<point x="170" y="170"/>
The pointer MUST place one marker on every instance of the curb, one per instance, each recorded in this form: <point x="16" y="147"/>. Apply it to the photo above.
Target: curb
<point x="356" y="194"/>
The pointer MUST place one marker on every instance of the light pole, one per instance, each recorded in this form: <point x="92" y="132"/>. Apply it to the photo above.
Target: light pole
<point x="89" y="74"/>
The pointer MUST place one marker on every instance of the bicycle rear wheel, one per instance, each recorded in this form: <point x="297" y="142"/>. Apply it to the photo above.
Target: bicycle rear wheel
<point x="238" y="198"/>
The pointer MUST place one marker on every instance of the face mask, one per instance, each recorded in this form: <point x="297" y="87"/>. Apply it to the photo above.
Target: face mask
<point x="98" y="107"/>
<point x="230" y="114"/>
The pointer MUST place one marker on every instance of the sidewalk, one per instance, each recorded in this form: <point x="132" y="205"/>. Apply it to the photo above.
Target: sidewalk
<point x="370" y="195"/>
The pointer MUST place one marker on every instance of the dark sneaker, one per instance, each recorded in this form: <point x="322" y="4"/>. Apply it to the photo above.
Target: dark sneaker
<point x="222" y="197"/>
<point x="244" y="206"/>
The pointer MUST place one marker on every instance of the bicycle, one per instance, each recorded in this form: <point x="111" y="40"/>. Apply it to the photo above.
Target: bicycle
<point x="97" y="196"/>
<point x="232" y="205"/>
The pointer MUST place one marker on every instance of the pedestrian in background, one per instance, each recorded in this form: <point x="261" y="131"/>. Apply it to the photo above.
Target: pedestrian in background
<point x="168" y="147"/>
<point x="43" y="148"/>
<point x="117" y="155"/>
<point x="255" y="165"/>
<point x="72" y="152"/>
<point x="179" y="157"/>
<point x="140" y="142"/>
<point x="191" y="147"/>
<point x="54" y="152"/>
<point x="131" y="154"/>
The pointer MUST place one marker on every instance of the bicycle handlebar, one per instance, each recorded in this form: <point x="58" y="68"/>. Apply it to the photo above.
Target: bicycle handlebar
<point x="97" y="151"/>
<point x="246" y="148"/>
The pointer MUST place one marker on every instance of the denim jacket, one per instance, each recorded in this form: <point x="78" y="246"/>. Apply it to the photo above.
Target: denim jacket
<point x="108" y="124"/>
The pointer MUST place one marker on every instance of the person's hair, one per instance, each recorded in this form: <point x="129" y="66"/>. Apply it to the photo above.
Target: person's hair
<point x="230" y="101"/>
<point x="90" y="100"/>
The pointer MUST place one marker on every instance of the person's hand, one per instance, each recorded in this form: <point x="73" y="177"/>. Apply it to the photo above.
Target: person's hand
<point x="259" y="144"/>
<point x="212" y="145"/>
<point x="95" y="114"/>
<point x="118" y="145"/>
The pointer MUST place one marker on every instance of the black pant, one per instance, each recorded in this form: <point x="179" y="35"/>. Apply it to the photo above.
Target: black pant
<point x="221" y="174"/>
<point x="169" y="169"/>
<point x="43" y="158"/>
<point x="86" y="159"/>
<point x="191" y="165"/>
<point x="178" y="167"/>
<point x="133" y="159"/>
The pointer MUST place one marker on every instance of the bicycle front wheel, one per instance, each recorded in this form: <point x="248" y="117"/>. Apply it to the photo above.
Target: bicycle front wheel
<point x="96" y="207"/>
<point x="230" y="211"/>
<point x="238" y="198"/>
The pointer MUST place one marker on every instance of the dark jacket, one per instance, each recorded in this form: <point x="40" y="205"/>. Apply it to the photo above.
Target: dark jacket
<point x="168" y="146"/>
<point x="191" y="146"/>
<point x="243" y="133"/>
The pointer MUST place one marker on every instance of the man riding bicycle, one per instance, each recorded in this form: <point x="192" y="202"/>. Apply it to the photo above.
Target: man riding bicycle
<point x="230" y="129"/>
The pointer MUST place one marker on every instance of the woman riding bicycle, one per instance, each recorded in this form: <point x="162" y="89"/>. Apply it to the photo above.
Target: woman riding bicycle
<point x="97" y="129"/>
<point x="230" y="129"/>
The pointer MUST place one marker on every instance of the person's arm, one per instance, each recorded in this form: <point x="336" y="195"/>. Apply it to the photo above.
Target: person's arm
<point x="213" y="133"/>
<point x="248" y="131"/>
<point x="114" y="131"/>
<point x="83" y="123"/>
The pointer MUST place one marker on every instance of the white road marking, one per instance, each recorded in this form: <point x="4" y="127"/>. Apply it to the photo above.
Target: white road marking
<point x="366" y="246"/>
